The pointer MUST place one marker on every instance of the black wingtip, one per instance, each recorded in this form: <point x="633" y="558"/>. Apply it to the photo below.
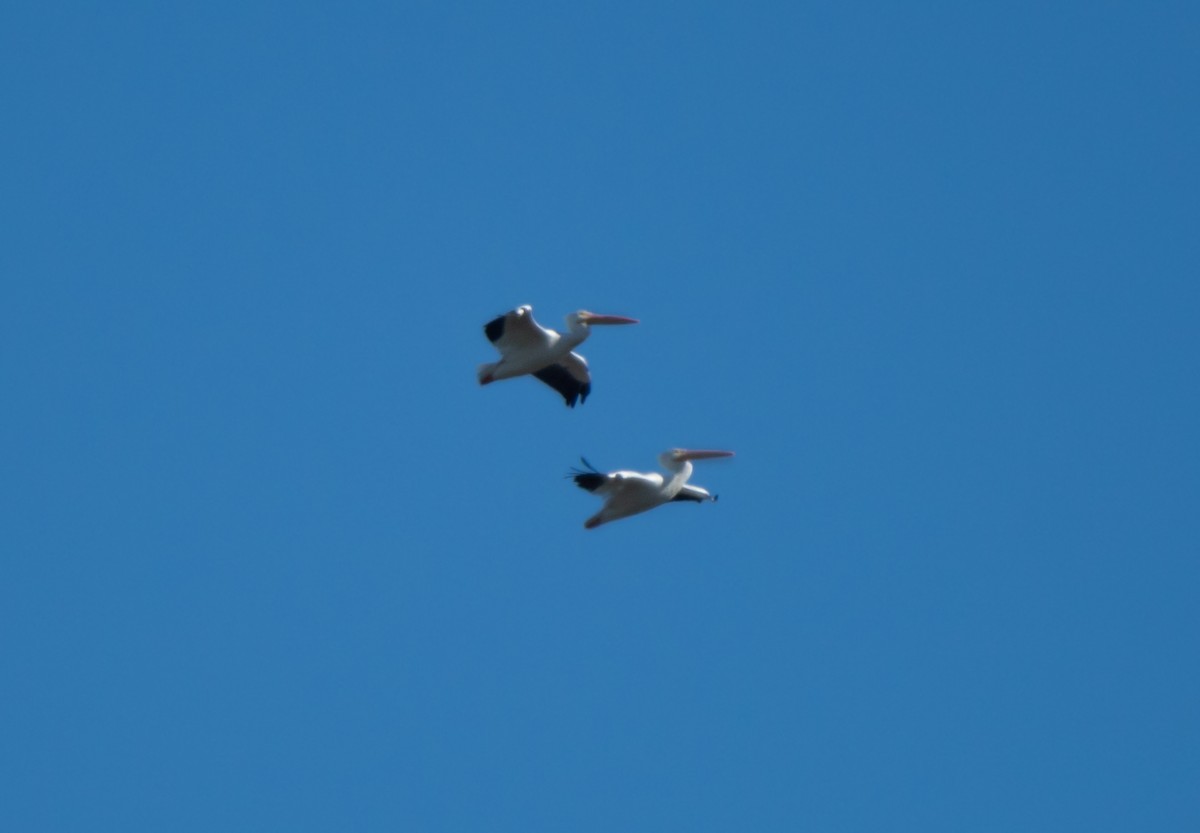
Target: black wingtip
<point x="589" y="477"/>
<point x="589" y="481"/>
<point x="568" y="387"/>
<point x="494" y="329"/>
<point x="579" y="396"/>
<point x="588" y="468"/>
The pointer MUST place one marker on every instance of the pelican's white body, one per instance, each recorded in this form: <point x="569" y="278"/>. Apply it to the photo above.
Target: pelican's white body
<point x="527" y="347"/>
<point x="632" y="492"/>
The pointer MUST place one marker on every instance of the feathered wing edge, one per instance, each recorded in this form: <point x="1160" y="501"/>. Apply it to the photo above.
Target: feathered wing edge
<point x="697" y="494"/>
<point x="589" y="477"/>
<point x="559" y="377"/>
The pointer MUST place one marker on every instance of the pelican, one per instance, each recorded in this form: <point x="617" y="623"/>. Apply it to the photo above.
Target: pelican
<point x="527" y="347"/>
<point x="630" y="492"/>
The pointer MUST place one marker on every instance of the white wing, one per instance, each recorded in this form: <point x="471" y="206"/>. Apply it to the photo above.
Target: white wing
<point x="517" y="332"/>
<point x="630" y="485"/>
<point x="628" y="493"/>
<point x="612" y="484"/>
<point x="696" y="493"/>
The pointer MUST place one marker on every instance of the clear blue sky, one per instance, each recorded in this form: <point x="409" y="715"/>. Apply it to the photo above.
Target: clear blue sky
<point x="272" y="560"/>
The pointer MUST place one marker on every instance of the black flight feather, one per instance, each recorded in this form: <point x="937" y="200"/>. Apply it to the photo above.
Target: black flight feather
<point x="588" y="477"/>
<point x="591" y="482"/>
<point x="559" y="378"/>
<point x="494" y="329"/>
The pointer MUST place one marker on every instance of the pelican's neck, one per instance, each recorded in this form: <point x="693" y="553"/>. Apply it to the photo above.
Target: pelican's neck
<point x="680" y="470"/>
<point x="575" y="335"/>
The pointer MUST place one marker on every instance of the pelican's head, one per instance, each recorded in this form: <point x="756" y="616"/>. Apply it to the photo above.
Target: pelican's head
<point x="589" y="318"/>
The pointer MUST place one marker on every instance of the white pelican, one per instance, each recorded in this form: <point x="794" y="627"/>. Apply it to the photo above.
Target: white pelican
<point x="527" y="347"/>
<point x="630" y="492"/>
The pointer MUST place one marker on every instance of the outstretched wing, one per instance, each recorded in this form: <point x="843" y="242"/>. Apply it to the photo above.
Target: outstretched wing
<point x="516" y="331"/>
<point x="614" y="484"/>
<point x="569" y="377"/>
<point x="695" y="493"/>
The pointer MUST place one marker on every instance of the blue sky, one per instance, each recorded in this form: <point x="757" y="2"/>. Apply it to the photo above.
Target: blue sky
<point x="273" y="560"/>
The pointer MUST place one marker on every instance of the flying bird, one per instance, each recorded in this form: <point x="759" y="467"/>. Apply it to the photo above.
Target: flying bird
<point x="527" y="347"/>
<point x="630" y="492"/>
